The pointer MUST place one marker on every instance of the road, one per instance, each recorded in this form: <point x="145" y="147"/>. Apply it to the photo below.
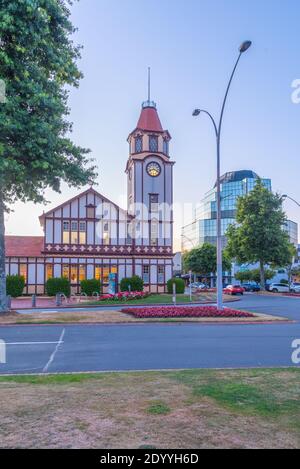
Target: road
<point x="76" y="348"/>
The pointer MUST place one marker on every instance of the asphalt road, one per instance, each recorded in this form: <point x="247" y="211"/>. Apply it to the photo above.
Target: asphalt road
<point x="75" y="348"/>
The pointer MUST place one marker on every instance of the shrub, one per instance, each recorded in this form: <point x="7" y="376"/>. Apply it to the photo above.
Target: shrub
<point x="186" y="312"/>
<point x="58" y="285"/>
<point x="135" y="283"/>
<point x="91" y="286"/>
<point x="284" y="281"/>
<point x="15" y="285"/>
<point x="180" y="285"/>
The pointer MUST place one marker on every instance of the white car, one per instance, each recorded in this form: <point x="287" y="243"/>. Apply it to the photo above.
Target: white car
<point x="279" y="288"/>
<point x="295" y="288"/>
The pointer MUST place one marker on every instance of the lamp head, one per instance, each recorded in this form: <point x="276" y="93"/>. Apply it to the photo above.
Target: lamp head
<point x="245" y="46"/>
<point x="196" y="112"/>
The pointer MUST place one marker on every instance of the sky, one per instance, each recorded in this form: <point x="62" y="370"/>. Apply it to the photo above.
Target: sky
<point x="191" y="47"/>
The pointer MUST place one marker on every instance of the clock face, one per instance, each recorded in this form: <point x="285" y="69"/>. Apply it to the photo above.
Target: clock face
<point x="153" y="169"/>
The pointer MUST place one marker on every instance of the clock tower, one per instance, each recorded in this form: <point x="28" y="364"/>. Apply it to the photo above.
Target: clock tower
<point x="150" y="182"/>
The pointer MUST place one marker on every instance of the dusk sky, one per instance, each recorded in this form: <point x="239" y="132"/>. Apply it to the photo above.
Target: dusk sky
<point x="191" y="47"/>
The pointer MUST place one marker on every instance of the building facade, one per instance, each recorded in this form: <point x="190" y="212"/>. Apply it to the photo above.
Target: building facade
<point x="89" y="236"/>
<point x="204" y="227"/>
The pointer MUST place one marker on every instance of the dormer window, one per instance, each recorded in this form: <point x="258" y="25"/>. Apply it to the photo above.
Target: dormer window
<point x="138" y="144"/>
<point x="166" y="146"/>
<point x="153" y="143"/>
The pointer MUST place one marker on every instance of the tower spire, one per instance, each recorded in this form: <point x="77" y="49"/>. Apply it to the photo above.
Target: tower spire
<point x="149" y="103"/>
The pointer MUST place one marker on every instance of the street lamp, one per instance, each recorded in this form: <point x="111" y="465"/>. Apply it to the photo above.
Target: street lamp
<point x="293" y="200"/>
<point x="243" y="48"/>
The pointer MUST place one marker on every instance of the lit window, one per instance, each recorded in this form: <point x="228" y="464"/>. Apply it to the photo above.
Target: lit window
<point x="153" y="143"/>
<point x="106" y="234"/>
<point x="82" y="272"/>
<point x="74" y="232"/>
<point x="161" y="274"/>
<point x="82" y="232"/>
<point x="66" y="232"/>
<point x="105" y="274"/>
<point x="114" y="269"/>
<point x="146" y="273"/>
<point x="98" y="272"/>
<point x="138" y="144"/>
<point x="154" y="233"/>
<point x="74" y="274"/>
<point x="66" y="271"/>
<point x="154" y="203"/>
<point x="49" y="271"/>
<point x="166" y="146"/>
<point x="23" y="271"/>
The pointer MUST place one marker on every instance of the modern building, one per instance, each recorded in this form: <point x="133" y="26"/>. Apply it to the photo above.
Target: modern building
<point x="204" y="227"/>
<point x="91" y="237"/>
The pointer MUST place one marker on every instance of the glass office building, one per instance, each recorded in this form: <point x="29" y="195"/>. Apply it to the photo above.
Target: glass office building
<point x="204" y="227"/>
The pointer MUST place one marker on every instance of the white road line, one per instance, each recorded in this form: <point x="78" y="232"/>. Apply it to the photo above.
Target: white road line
<point x="55" y="351"/>
<point x="32" y="343"/>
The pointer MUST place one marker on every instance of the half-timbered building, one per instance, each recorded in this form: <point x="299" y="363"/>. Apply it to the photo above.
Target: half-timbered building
<point x="89" y="236"/>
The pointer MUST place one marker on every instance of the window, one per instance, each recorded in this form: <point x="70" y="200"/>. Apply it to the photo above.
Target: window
<point x="74" y="232"/>
<point x="166" y="146"/>
<point x="138" y="144"/>
<point x="66" y="232"/>
<point x="82" y="272"/>
<point x="106" y="234"/>
<point x="82" y="232"/>
<point x="74" y="274"/>
<point x="66" y="271"/>
<point x="154" y="232"/>
<point x="153" y="143"/>
<point x="105" y="274"/>
<point x="146" y="273"/>
<point x="161" y="274"/>
<point x="154" y="203"/>
<point x="23" y="271"/>
<point x="90" y="211"/>
<point x="49" y="271"/>
<point x="98" y="272"/>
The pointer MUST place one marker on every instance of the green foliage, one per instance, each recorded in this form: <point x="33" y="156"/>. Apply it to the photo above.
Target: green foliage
<point x="90" y="286"/>
<point x="37" y="62"/>
<point x="284" y="281"/>
<point x="259" y="235"/>
<point x="244" y="276"/>
<point x="256" y="275"/>
<point x="58" y="285"/>
<point x="134" y="283"/>
<point x="180" y="285"/>
<point x="203" y="260"/>
<point x="15" y="285"/>
<point x="158" y="408"/>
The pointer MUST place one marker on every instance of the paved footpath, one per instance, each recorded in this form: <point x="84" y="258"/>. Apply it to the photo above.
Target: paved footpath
<point x="75" y="348"/>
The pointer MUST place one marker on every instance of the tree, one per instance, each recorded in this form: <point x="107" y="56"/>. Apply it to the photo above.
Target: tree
<point x="255" y="275"/>
<point x="244" y="276"/>
<point x="37" y="62"/>
<point x="203" y="260"/>
<point x="259" y="235"/>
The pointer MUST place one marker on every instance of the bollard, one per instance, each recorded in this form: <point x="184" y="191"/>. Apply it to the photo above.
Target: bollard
<point x="8" y="302"/>
<point x="58" y="299"/>
<point x="33" y="302"/>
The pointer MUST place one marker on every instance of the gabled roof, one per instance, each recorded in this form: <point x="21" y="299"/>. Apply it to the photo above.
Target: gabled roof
<point x="24" y="246"/>
<point x="88" y="191"/>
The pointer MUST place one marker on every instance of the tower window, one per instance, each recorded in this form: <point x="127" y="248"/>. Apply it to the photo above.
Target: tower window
<point x="154" y="233"/>
<point x="153" y="143"/>
<point x="166" y="146"/>
<point x="138" y="144"/>
<point x="153" y="203"/>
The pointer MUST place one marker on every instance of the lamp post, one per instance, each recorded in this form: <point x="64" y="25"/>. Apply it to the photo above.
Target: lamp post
<point x="285" y="196"/>
<point x="218" y="128"/>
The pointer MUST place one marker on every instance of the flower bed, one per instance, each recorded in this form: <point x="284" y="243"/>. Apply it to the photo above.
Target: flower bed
<point x="124" y="296"/>
<point x="186" y="312"/>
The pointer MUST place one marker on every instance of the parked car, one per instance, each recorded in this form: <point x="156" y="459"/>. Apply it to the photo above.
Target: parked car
<point x="234" y="290"/>
<point x="295" y="288"/>
<point x="197" y="285"/>
<point x="279" y="288"/>
<point x="252" y="287"/>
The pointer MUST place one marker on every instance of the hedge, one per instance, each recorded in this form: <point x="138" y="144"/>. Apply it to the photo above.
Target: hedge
<point x="15" y="285"/>
<point x="58" y="285"/>
<point x="134" y="283"/>
<point x="90" y="286"/>
<point x="180" y="285"/>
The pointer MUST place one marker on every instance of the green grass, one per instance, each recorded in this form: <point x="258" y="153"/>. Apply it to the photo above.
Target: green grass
<point x="63" y="379"/>
<point x="158" y="408"/>
<point x="153" y="299"/>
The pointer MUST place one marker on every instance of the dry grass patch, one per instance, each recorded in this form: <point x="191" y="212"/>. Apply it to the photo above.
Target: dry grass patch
<point x="180" y="409"/>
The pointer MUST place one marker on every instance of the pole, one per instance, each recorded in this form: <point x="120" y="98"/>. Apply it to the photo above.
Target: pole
<point x="191" y="286"/>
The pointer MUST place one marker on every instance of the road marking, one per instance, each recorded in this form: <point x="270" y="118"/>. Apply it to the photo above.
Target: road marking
<point x="55" y="351"/>
<point x="32" y="343"/>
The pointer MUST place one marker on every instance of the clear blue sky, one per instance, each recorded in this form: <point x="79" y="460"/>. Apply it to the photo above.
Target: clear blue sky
<point x="191" y="46"/>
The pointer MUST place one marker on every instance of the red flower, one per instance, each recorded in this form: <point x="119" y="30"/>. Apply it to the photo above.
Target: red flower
<point x="186" y="312"/>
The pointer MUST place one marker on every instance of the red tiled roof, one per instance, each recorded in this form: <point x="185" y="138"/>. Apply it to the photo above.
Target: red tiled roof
<point x="24" y="246"/>
<point x="149" y="120"/>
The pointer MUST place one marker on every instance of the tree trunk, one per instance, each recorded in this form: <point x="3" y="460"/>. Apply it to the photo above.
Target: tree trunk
<point x="262" y="275"/>
<point x="3" y="299"/>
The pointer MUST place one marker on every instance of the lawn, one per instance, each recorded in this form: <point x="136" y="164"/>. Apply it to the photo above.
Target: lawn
<point x="180" y="409"/>
<point x="156" y="299"/>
